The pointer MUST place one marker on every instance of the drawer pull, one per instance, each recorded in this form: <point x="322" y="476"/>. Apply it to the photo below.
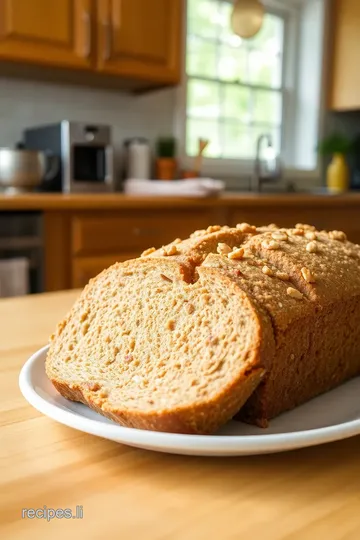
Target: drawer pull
<point x="87" y="26"/>
<point x="108" y="39"/>
<point x="145" y="232"/>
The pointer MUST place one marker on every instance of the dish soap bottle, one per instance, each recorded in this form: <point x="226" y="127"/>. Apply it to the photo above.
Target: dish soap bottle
<point x="338" y="176"/>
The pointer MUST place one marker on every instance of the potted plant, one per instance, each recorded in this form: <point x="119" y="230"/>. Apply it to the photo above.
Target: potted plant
<point x="166" y="164"/>
<point x="337" y="175"/>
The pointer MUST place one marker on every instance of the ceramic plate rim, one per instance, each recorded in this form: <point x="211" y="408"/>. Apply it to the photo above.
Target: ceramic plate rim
<point x="180" y="443"/>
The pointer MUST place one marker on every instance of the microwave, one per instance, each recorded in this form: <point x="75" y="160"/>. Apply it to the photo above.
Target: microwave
<point x="84" y="152"/>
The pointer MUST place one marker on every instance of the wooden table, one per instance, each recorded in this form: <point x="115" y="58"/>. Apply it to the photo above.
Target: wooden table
<point x="139" y="495"/>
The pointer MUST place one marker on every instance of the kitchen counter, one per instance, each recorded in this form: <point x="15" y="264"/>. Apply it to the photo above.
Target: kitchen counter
<point x="310" y="493"/>
<point x="114" y="201"/>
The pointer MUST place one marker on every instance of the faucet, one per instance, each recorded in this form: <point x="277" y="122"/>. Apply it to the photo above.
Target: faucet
<point x="259" y="177"/>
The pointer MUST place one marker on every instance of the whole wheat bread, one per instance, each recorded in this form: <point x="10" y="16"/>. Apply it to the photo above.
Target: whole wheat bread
<point x="243" y="319"/>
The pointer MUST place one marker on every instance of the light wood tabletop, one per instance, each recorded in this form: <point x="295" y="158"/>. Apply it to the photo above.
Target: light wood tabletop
<point x="127" y="493"/>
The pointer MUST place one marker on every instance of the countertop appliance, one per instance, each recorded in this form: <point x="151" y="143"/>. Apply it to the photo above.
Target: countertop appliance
<point x="24" y="170"/>
<point x="85" y="152"/>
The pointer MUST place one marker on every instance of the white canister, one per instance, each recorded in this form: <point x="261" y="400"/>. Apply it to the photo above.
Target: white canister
<point x="14" y="277"/>
<point x="137" y="159"/>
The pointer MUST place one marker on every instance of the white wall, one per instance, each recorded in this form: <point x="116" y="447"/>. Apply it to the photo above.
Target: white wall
<point x="25" y="103"/>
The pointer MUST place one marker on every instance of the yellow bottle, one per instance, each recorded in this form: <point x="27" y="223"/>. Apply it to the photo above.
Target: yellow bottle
<point x="337" y="175"/>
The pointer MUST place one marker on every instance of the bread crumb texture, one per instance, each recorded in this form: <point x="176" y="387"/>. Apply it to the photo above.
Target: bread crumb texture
<point x="250" y="319"/>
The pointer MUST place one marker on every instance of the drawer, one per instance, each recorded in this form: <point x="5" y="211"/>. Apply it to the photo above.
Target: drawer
<point x="133" y="232"/>
<point x="85" y="268"/>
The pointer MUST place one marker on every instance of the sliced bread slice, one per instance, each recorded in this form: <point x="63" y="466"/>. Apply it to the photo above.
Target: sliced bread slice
<point x="149" y="349"/>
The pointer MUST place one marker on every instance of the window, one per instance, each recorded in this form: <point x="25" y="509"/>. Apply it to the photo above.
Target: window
<point x="234" y="87"/>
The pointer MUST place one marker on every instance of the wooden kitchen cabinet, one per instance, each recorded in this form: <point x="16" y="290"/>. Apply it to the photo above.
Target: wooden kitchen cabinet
<point x="140" y="38"/>
<point x="53" y="33"/>
<point x="135" y="44"/>
<point x="111" y="232"/>
<point x="345" y="80"/>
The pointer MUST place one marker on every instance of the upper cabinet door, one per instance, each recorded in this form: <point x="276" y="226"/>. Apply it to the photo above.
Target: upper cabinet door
<point x="52" y="32"/>
<point x="345" y="84"/>
<point x="140" y="39"/>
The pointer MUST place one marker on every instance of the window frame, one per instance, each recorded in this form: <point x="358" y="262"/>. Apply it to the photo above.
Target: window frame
<point x="243" y="168"/>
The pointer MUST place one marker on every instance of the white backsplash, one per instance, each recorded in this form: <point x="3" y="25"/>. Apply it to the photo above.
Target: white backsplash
<point x="26" y="103"/>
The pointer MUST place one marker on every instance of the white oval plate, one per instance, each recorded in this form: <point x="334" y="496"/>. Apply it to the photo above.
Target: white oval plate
<point x="333" y="416"/>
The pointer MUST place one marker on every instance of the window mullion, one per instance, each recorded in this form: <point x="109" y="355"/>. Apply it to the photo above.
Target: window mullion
<point x="238" y="83"/>
<point x="220" y="90"/>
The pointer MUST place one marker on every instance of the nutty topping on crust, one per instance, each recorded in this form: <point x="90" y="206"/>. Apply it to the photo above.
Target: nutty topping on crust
<point x="312" y="247"/>
<point x="298" y="232"/>
<point x="294" y="293"/>
<point x="200" y="232"/>
<point x="236" y="253"/>
<point x="213" y="228"/>
<point x="307" y="275"/>
<point x="169" y="250"/>
<point x="270" y="244"/>
<point x="310" y="235"/>
<point x="283" y="276"/>
<point x="267" y="271"/>
<point x="223" y="249"/>
<point x="246" y="228"/>
<point x="148" y="252"/>
<point x="279" y="236"/>
<point x="337" y="235"/>
<point x="305" y="227"/>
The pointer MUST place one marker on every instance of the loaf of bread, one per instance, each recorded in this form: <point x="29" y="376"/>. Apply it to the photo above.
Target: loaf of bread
<point x="247" y="322"/>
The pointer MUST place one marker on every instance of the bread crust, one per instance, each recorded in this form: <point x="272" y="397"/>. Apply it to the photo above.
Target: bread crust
<point x="203" y="419"/>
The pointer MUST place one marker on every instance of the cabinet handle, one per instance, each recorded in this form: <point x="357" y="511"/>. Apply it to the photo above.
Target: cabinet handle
<point x="145" y="232"/>
<point x="107" y="34"/>
<point x="87" y="25"/>
<point x="116" y="14"/>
